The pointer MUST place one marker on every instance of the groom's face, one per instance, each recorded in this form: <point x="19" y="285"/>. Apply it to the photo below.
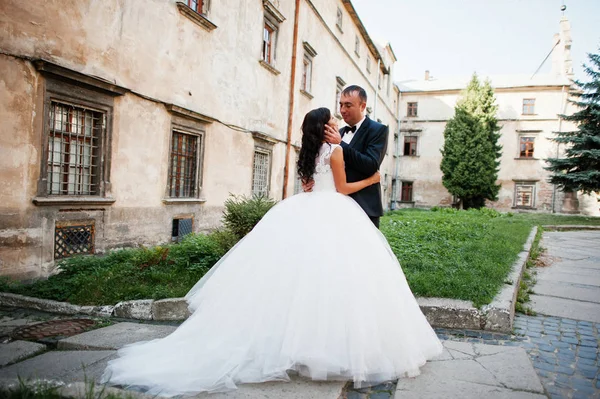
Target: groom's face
<point x="352" y="108"/>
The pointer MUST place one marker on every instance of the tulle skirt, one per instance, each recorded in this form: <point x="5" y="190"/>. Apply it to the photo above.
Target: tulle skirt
<point x="313" y="288"/>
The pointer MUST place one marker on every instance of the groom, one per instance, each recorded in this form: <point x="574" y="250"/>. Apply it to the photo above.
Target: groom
<point x="364" y="143"/>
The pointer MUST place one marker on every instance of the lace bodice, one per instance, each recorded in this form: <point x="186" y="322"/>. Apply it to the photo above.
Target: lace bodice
<point x="323" y="176"/>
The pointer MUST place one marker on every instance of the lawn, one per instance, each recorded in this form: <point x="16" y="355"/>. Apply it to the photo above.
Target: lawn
<point x="462" y="254"/>
<point x="444" y="253"/>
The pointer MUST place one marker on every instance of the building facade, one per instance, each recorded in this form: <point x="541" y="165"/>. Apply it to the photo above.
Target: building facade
<point x="130" y="123"/>
<point x="528" y="113"/>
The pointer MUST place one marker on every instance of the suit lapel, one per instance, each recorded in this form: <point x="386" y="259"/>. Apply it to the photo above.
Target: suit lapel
<point x="360" y="133"/>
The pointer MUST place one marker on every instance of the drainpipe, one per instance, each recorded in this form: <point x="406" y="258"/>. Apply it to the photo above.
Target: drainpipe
<point x="397" y="160"/>
<point x="288" y="148"/>
<point x="376" y="90"/>
<point x="563" y="110"/>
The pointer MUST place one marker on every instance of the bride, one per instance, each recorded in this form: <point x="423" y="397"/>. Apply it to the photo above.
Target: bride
<point x="313" y="288"/>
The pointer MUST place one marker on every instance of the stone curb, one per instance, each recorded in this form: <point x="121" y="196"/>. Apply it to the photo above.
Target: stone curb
<point x="569" y="227"/>
<point x="440" y="312"/>
<point x="500" y="313"/>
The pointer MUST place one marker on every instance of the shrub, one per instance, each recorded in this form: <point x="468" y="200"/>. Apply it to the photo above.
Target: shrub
<point x="243" y="213"/>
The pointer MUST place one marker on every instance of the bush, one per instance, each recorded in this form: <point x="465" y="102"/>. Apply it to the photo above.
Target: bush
<point x="243" y="213"/>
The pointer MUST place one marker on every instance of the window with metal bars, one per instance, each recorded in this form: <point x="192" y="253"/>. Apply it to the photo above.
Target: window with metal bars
<point x="525" y="194"/>
<point x="183" y="167"/>
<point x="73" y="239"/>
<point x="73" y="149"/>
<point x="260" y="176"/>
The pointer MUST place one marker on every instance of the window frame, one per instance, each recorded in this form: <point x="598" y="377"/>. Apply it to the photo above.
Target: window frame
<point x="529" y="108"/>
<point x="412" y="109"/>
<point x="339" y="19"/>
<point x="339" y="87"/>
<point x="307" y="69"/>
<point x="197" y="178"/>
<point x="528" y="141"/>
<point x="413" y="145"/>
<point x="262" y="144"/>
<point x="409" y="188"/>
<point x="204" y="6"/>
<point x="73" y="94"/>
<point x="523" y="184"/>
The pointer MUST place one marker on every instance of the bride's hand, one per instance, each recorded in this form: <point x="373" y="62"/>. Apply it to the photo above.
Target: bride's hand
<point x="376" y="178"/>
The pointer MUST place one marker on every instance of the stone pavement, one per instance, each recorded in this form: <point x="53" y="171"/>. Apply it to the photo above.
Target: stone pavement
<point x="570" y="286"/>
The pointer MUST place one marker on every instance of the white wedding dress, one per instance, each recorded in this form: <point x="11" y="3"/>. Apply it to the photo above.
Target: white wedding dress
<point x="314" y="288"/>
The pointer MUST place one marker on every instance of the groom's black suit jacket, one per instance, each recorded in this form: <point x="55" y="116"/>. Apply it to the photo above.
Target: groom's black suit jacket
<point x="362" y="158"/>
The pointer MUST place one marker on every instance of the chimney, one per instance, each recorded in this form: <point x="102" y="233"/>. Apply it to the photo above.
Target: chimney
<point x="427" y="75"/>
<point x="562" y="63"/>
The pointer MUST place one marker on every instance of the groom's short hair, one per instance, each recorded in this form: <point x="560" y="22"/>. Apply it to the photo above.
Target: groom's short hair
<point x="362" y="94"/>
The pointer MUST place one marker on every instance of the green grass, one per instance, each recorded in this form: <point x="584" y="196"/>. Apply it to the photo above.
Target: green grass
<point x="141" y="273"/>
<point x="462" y="254"/>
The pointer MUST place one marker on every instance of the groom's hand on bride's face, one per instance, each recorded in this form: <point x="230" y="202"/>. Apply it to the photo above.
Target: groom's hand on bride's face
<point x="332" y="136"/>
<point x="308" y="187"/>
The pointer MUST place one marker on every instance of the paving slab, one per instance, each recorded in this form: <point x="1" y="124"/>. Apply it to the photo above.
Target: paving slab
<point x="475" y="371"/>
<point x="14" y="351"/>
<point x="560" y="289"/>
<point x="569" y="286"/>
<point x="66" y="366"/>
<point x="560" y="307"/>
<point x="297" y="388"/>
<point x="115" y="336"/>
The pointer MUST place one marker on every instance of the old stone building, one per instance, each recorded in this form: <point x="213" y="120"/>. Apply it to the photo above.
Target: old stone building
<point x="130" y="123"/>
<point x="528" y="109"/>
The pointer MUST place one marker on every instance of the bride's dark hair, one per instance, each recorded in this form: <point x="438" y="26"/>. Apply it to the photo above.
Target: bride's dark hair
<point x="313" y="134"/>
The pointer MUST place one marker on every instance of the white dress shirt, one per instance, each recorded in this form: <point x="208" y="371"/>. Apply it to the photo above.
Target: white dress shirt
<point x="350" y="135"/>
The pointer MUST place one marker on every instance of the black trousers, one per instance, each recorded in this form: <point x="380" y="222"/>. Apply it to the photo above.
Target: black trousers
<point x="375" y="220"/>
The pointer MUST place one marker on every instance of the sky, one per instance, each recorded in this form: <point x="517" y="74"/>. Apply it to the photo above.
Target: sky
<point x="491" y="37"/>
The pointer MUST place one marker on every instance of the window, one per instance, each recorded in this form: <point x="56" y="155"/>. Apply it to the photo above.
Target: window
<point x="338" y="94"/>
<point x="529" y="106"/>
<point x="357" y="45"/>
<point x="410" y="145"/>
<point x="307" y="68"/>
<point x="73" y="238"/>
<point x="260" y="176"/>
<point x="183" y="168"/>
<point x="380" y="80"/>
<point x="268" y="39"/>
<point x="407" y="191"/>
<point x="181" y="228"/>
<point x="525" y="194"/>
<point x="77" y="128"/>
<point x="339" y="19"/>
<point x="411" y="109"/>
<point x="526" y="147"/>
<point x="368" y="65"/>
<point x="200" y="6"/>
<point x="73" y="149"/>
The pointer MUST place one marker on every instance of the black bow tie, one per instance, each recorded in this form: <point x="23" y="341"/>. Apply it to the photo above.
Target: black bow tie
<point x="347" y="129"/>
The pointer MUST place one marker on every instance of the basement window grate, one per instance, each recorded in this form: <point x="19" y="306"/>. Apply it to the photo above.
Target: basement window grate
<point x="73" y="240"/>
